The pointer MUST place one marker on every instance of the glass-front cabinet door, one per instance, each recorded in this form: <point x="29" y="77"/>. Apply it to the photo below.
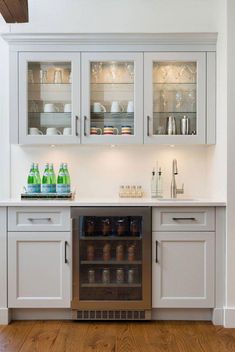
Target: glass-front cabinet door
<point x="174" y="93"/>
<point x="112" y="98"/>
<point x="49" y="91"/>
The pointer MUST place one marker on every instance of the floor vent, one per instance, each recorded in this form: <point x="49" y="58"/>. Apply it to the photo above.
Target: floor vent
<point x="112" y="315"/>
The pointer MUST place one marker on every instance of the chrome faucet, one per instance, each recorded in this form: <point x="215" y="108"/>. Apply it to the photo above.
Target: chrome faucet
<point x="174" y="189"/>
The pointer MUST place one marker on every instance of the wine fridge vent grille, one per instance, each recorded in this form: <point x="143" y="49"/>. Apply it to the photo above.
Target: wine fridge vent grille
<point x="112" y="315"/>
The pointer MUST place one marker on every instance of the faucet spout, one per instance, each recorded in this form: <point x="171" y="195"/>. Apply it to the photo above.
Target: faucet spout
<point x="174" y="189"/>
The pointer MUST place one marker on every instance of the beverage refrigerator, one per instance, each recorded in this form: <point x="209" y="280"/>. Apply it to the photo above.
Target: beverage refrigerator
<point x="111" y="263"/>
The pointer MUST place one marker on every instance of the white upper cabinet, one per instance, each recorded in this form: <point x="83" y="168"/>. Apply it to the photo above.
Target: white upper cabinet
<point x="175" y="98"/>
<point x="49" y="104"/>
<point x="112" y="98"/>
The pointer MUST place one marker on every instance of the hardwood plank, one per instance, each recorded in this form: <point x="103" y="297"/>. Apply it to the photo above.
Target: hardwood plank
<point x="14" y="10"/>
<point x="41" y="337"/>
<point x="71" y="337"/>
<point x="12" y="337"/>
<point x="4" y="10"/>
<point x="99" y="339"/>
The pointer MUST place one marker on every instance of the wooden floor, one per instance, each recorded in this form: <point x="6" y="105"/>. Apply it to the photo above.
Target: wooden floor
<point x="59" y="336"/>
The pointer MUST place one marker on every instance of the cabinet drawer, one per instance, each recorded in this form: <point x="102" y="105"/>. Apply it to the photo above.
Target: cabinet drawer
<point x="183" y="219"/>
<point x="39" y="219"/>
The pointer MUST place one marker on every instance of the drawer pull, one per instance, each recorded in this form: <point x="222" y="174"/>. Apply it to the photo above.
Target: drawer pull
<point x="156" y="257"/>
<point x="65" y="252"/>
<point x="39" y="219"/>
<point x="189" y="219"/>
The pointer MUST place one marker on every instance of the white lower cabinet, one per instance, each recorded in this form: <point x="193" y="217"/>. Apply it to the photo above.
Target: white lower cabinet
<point x="39" y="269"/>
<point x="183" y="269"/>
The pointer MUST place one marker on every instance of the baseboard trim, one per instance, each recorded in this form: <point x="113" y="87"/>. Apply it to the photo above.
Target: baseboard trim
<point x="5" y="317"/>
<point x="182" y="314"/>
<point x="218" y="316"/>
<point x="41" y="314"/>
<point x="229" y="317"/>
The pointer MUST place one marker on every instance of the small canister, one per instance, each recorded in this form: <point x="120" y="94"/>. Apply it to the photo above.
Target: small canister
<point x="184" y="125"/>
<point x="131" y="253"/>
<point x="120" y="276"/>
<point x="120" y="252"/>
<point x="131" y="276"/>
<point x="91" y="276"/>
<point x="107" y="251"/>
<point x="106" y="276"/>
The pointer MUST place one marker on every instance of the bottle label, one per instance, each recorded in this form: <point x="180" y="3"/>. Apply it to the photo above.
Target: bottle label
<point x="32" y="188"/>
<point x="47" y="188"/>
<point x="61" y="188"/>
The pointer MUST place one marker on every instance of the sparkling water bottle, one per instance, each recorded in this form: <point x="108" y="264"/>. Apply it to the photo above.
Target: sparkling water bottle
<point x="46" y="184"/>
<point x="67" y="178"/>
<point x="32" y="186"/>
<point x="52" y="178"/>
<point x="61" y="180"/>
<point x="38" y="178"/>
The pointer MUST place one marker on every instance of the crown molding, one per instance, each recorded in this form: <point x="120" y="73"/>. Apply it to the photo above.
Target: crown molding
<point x="196" y="39"/>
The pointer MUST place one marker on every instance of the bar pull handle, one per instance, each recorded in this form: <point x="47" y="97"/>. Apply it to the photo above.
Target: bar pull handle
<point x="65" y="252"/>
<point x="76" y="125"/>
<point x="156" y="253"/>
<point x="189" y="219"/>
<point x="85" y="120"/>
<point x="148" y="122"/>
<point x="39" y="219"/>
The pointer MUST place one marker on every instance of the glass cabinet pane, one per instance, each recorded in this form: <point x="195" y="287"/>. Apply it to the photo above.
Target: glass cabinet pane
<point x="49" y="98"/>
<point x="112" y="98"/>
<point x="174" y="98"/>
<point x="110" y="258"/>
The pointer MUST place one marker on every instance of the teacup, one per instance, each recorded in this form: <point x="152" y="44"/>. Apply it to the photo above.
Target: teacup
<point x="98" y="107"/>
<point x="67" y="107"/>
<point x="67" y="131"/>
<point x="34" y="131"/>
<point x="110" y="130"/>
<point x="94" y="130"/>
<point x="126" y="130"/>
<point x="116" y="107"/>
<point x="52" y="131"/>
<point x="130" y="106"/>
<point x="50" y="107"/>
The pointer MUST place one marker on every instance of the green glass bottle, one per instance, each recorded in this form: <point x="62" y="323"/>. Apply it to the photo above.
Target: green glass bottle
<point x="32" y="186"/>
<point x="38" y="178"/>
<point x="46" y="184"/>
<point x="67" y="178"/>
<point x="52" y="178"/>
<point x="61" y="186"/>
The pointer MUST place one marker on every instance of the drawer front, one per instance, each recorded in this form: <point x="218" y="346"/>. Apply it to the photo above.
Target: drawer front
<point x="39" y="219"/>
<point x="183" y="219"/>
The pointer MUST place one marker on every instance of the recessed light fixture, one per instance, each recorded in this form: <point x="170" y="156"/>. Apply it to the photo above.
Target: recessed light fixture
<point x="52" y="145"/>
<point x="172" y="145"/>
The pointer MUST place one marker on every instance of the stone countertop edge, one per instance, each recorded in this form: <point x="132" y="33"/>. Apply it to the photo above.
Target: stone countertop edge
<point x="114" y="202"/>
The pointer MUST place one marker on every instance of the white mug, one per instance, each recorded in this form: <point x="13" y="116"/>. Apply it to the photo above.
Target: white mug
<point x="116" y="107"/>
<point x="50" y="107"/>
<point x="52" y="131"/>
<point x="67" y="131"/>
<point x="67" y="107"/>
<point x="130" y="106"/>
<point x="34" y="131"/>
<point x="98" y="107"/>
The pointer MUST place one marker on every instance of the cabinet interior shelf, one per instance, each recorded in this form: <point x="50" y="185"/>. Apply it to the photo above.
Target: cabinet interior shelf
<point x="175" y="83"/>
<point x="51" y="113"/>
<point x="112" y="262"/>
<point x="51" y="84"/>
<point x="176" y="112"/>
<point x="112" y="83"/>
<point x="110" y="285"/>
<point x="109" y="238"/>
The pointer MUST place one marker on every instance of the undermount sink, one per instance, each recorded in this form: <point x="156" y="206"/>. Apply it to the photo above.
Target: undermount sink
<point x="176" y="199"/>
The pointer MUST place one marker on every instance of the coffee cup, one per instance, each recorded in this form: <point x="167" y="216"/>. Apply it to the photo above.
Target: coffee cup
<point x="130" y="106"/>
<point x="67" y="131"/>
<point x="34" y="131"/>
<point x="52" y="131"/>
<point x="67" y="107"/>
<point x="110" y="130"/>
<point x="95" y="130"/>
<point x="126" y="130"/>
<point x="116" y="107"/>
<point x="50" y="107"/>
<point x="98" y="107"/>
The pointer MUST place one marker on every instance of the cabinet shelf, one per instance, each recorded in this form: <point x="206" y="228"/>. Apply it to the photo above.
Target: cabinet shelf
<point x="110" y="285"/>
<point x="111" y="262"/>
<point x="111" y="238"/>
<point x="175" y="83"/>
<point x="51" y="84"/>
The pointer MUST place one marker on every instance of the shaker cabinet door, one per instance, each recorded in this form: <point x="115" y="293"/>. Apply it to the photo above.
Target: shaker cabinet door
<point x="183" y="269"/>
<point x="39" y="269"/>
<point x="112" y="98"/>
<point x="49" y="104"/>
<point x="175" y="97"/>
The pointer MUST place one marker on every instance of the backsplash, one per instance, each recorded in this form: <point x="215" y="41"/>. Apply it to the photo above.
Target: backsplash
<point x="98" y="171"/>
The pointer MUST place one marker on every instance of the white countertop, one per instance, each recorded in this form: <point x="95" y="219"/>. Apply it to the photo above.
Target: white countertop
<point x="115" y="202"/>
